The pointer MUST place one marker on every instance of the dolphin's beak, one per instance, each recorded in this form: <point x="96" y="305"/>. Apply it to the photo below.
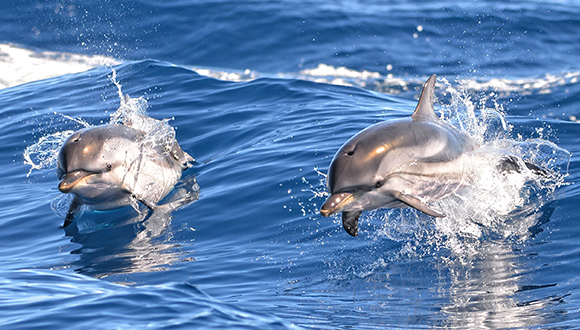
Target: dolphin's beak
<point x="70" y="180"/>
<point x="335" y="204"/>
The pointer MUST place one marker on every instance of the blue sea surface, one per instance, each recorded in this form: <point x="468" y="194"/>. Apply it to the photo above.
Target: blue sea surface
<point x="262" y="94"/>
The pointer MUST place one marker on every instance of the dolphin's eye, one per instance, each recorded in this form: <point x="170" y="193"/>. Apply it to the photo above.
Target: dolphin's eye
<point x="350" y="153"/>
<point x="108" y="167"/>
<point x="379" y="183"/>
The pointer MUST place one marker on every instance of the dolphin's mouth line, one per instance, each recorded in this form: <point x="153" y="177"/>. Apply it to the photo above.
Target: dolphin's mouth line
<point x="71" y="179"/>
<point x="336" y="203"/>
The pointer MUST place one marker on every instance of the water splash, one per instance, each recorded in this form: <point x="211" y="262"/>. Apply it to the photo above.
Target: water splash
<point x="44" y="153"/>
<point x="61" y="203"/>
<point x="131" y="112"/>
<point x="496" y="203"/>
<point x="493" y="203"/>
<point x="319" y="190"/>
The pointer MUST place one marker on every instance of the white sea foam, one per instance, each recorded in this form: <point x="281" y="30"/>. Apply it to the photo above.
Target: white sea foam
<point x="227" y="75"/>
<point x="19" y="65"/>
<point x="390" y="84"/>
<point x="324" y="70"/>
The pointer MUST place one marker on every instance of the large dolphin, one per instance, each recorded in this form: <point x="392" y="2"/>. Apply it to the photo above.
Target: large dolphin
<point x="398" y="163"/>
<point x="111" y="166"/>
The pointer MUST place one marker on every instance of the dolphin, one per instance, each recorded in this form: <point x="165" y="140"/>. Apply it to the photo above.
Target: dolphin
<point x="399" y="163"/>
<point x="111" y="166"/>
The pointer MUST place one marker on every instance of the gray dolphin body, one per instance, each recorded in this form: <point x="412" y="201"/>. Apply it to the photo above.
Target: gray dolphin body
<point x="399" y="163"/>
<point x="110" y="166"/>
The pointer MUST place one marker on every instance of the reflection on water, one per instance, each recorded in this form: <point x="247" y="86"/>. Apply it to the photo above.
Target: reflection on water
<point x="410" y="266"/>
<point x="487" y="290"/>
<point x="123" y="241"/>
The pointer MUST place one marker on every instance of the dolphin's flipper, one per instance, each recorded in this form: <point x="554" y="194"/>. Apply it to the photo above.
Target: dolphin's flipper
<point x="135" y="205"/>
<point x="136" y="199"/>
<point x="414" y="202"/>
<point x="151" y="206"/>
<point x="350" y="222"/>
<point x="184" y="193"/>
<point x="425" y="110"/>
<point x="74" y="205"/>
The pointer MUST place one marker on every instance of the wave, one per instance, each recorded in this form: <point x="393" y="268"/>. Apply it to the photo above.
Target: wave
<point x="20" y="65"/>
<point x="121" y="306"/>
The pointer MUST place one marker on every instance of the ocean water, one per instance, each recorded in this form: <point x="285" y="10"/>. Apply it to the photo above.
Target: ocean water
<point x="262" y="94"/>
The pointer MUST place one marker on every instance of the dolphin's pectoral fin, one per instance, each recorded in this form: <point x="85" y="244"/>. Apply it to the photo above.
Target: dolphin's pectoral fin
<point x="350" y="222"/>
<point x="136" y="199"/>
<point x="151" y="206"/>
<point x="70" y="214"/>
<point x="184" y="193"/>
<point x="415" y="203"/>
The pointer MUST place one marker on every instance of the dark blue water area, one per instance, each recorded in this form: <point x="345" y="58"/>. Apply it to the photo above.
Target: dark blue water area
<point x="253" y="252"/>
<point x="479" y="38"/>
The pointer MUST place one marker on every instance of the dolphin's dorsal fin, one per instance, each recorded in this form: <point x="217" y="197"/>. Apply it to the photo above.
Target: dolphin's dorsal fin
<point x="425" y="110"/>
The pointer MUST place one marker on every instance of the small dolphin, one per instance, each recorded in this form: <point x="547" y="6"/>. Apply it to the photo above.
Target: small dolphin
<point x="398" y="163"/>
<point x="110" y="166"/>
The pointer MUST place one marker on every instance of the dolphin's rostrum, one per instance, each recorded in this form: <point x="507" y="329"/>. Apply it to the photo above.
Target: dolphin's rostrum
<point x="398" y="163"/>
<point x="110" y="166"/>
